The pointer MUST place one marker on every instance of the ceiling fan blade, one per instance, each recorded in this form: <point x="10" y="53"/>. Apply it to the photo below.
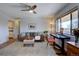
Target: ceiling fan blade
<point x="25" y="10"/>
<point x="24" y="5"/>
<point x="34" y="12"/>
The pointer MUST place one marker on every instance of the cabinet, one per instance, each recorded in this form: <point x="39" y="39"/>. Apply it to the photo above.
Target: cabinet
<point x="11" y="29"/>
<point x="72" y="49"/>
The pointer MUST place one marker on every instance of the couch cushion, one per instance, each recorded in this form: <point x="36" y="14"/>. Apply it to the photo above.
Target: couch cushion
<point x="37" y="37"/>
<point x="28" y="41"/>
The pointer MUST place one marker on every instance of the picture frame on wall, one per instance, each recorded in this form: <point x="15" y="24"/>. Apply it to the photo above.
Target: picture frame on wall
<point x="31" y="26"/>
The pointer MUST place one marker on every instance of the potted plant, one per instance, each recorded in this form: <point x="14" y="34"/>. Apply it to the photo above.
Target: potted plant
<point x="45" y="32"/>
<point x="76" y="33"/>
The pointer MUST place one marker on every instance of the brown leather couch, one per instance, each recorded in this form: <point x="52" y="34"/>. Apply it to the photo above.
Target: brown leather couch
<point x="22" y="36"/>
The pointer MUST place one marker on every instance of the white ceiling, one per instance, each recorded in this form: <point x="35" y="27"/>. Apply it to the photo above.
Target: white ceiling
<point x="43" y="9"/>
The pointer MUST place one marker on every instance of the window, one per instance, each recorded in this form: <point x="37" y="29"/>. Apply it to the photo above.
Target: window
<point x="58" y="25"/>
<point x="65" y="23"/>
<point x="68" y="22"/>
<point x="74" y="20"/>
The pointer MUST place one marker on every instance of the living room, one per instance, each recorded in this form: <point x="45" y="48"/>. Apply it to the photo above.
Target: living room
<point x="19" y="24"/>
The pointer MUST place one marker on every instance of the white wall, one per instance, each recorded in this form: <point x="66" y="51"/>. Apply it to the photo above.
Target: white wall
<point x="40" y="24"/>
<point x="3" y="28"/>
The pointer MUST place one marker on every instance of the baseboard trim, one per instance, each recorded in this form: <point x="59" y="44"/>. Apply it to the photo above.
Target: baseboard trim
<point x="6" y="43"/>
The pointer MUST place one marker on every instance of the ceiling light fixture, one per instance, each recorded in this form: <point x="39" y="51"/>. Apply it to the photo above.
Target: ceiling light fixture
<point x="31" y="11"/>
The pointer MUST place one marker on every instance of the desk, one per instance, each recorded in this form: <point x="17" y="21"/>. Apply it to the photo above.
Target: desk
<point x="62" y="38"/>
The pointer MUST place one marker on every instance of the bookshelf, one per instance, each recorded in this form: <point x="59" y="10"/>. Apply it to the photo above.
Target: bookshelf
<point x="11" y="29"/>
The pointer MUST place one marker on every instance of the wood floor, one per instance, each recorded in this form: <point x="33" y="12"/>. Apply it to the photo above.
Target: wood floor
<point x="7" y="43"/>
<point x="11" y="41"/>
<point x="17" y="49"/>
<point x="58" y="51"/>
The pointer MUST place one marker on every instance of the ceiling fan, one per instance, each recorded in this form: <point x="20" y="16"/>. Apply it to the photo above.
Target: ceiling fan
<point x="29" y="8"/>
